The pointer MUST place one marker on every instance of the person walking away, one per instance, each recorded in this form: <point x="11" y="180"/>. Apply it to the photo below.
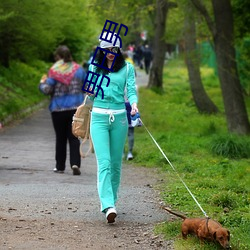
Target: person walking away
<point x="140" y="51"/>
<point x="138" y="56"/>
<point x="147" y="58"/>
<point x="128" y="109"/>
<point x="109" y="123"/>
<point x="130" y="133"/>
<point x="64" y="85"/>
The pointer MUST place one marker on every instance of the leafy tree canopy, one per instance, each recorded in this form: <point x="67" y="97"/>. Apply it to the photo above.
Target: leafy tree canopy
<point x="32" y="30"/>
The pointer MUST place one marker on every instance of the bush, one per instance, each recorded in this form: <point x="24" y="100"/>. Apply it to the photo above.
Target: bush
<point x="231" y="146"/>
<point x="224" y="200"/>
<point x="19" y="87"/>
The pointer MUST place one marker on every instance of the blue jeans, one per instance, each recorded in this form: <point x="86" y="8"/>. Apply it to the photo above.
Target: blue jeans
<point x="108" y="139"/>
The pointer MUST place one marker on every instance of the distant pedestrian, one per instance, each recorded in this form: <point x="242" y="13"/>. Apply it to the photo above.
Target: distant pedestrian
<point x="147" y="54"/>
<point x="138" y="56"/>
<point x="64" y="85"/>
<point x="130" y="133"/>
<point x="128" y="109"/>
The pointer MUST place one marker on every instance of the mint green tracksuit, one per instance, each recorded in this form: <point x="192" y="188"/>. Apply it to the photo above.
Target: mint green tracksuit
<point x="109" y="131"/>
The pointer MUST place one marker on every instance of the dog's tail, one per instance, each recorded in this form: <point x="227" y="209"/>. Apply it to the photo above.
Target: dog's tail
<point x="175" y="213"/>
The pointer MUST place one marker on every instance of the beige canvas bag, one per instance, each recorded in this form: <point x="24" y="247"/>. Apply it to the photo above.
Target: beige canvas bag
<point x="81" y="126"/>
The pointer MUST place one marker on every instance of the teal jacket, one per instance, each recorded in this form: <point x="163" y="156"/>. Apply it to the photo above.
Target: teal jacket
<point x="112" y="96"/>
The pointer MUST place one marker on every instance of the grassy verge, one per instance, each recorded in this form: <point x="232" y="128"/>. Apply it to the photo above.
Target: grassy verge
<point x="19" y="88"/>
<point x="214" y="164"/>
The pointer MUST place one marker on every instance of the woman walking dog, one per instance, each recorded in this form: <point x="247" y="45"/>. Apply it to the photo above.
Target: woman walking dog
<point x="109" y="123"/>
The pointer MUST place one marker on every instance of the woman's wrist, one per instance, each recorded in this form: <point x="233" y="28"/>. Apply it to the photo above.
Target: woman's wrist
<point x="134" y="108"/>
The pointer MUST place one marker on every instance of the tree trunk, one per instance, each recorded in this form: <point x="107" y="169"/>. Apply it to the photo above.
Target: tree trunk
<point x="235" y="109"/>
<point x="201" y="99"/>
<point x="223" y="38"/>
<point x="159" y="47"/>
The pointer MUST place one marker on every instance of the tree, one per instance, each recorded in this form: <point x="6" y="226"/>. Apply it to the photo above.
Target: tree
<point x="201" y="99"/>
<point x="134" y="14"/>
<point x="23" y="33"/>
<point x="28" y="33"/>
<point x="241" y="17"/>
<point x="159" y="47"/>
<point x="223" y="38"/>
<point x="242" y="33"/>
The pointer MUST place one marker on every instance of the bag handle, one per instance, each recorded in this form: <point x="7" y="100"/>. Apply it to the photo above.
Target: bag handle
<point x="85" y="99"/>
<point x="91" y="148"/>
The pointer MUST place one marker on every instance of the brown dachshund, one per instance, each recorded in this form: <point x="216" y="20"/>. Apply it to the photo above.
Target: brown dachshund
<point x="204" y="229"/>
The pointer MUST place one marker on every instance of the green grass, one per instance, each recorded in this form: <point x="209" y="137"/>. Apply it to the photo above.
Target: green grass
<point x="19" y="87"/>
<point x="214" y="164"/>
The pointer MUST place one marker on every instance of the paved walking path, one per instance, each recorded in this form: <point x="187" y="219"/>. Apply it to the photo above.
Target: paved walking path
<point x="31" y="191"/>
<point x="141" y="78"/>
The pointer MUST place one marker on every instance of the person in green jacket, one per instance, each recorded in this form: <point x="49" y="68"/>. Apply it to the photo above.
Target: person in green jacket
<point x="109" y="124"/>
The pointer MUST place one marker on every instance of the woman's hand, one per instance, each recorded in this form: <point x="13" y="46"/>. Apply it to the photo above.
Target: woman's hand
<point x="134" y="109"/>
<point x="43" y="79"/>
<point x="89" y="92"/>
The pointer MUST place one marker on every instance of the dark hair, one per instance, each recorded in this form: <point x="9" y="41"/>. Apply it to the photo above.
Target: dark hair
<point x="64" y="53"/>
<point x="119" y="62"/>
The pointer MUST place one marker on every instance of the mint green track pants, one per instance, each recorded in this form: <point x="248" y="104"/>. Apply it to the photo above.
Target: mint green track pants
<point x="108" y="136"/>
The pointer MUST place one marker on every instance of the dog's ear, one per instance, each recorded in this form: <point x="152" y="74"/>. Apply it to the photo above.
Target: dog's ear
<point x="228" y="237"/>
<point x="214" y="235"/>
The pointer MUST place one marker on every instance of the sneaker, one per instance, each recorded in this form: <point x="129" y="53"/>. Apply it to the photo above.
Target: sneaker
<point x="58" y="171"/>
<point x="130" y="156"/>
<point x="76" y="170"/>
<point x="111" y="214"/>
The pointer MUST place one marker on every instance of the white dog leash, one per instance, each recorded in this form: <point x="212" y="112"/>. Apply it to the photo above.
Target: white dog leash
<point x="175" y="170"/>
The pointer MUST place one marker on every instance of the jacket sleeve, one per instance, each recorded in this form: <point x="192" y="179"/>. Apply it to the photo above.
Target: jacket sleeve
<point x="81" y="74"/>
<point x="47" y="87"/>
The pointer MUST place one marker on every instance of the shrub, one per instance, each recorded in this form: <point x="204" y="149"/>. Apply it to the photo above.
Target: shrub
<point x="223" y="200"/>
<point x="231" y="146"/>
